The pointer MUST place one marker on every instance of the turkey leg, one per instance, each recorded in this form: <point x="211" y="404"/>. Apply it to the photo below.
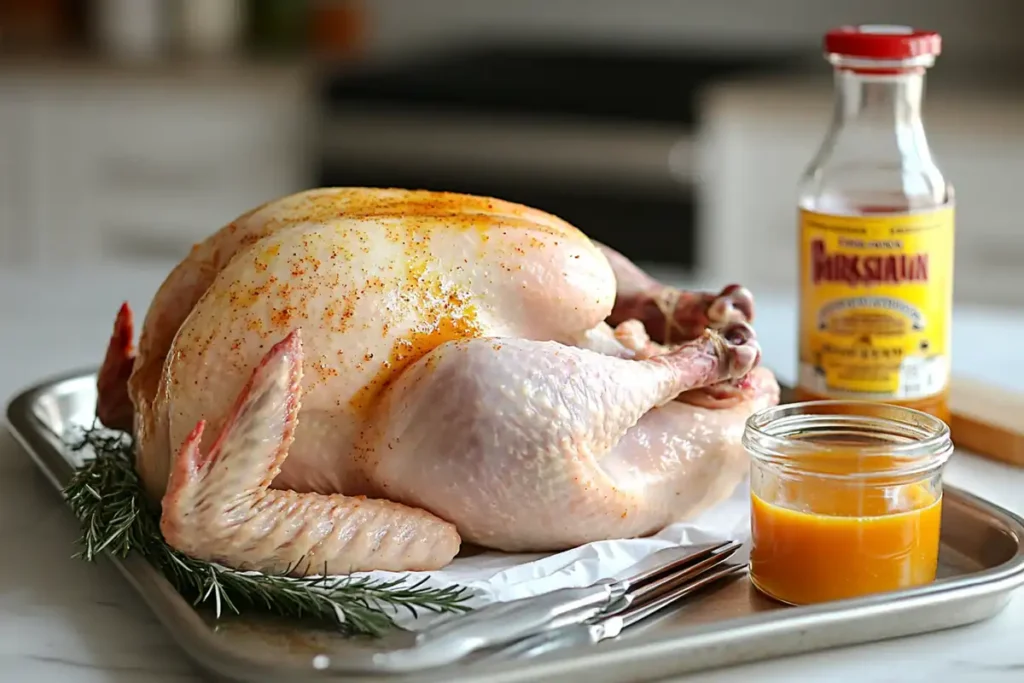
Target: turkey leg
<point x="669" y="316"/>
<point x="672" y="315"/>
<point x="219" y="507"/>
<point x="528" y="426"/>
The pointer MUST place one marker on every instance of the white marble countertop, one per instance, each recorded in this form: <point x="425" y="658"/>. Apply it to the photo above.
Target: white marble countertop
<point x="63" y="619"/>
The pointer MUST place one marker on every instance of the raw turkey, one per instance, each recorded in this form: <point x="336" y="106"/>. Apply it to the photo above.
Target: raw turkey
<point x="357" y="379"/>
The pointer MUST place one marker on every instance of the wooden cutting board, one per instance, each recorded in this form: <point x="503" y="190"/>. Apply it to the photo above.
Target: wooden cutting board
<point x="986" y="420"/>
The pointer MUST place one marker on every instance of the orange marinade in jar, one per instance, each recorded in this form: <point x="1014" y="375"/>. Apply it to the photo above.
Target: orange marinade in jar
<point x="846" y="499"/>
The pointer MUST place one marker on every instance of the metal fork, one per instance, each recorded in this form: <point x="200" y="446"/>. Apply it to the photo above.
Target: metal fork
<point x="502" y="623"/>
<point x="642" y="595"/>
<point x="540" y="611"/>
<point x="611" y="624"/>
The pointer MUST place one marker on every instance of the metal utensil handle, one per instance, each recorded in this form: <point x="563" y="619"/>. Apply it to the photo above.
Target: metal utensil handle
<point x="495" y="610"/>
<point x="542" y="612"/>
<point x="535" y="610"/>
<point x="541" y="643"/>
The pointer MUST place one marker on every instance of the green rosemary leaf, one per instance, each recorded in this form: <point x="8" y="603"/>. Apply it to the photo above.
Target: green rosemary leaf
<point x="107" y="497"/>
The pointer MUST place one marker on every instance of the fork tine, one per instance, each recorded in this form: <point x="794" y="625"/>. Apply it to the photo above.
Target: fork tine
<point x="639" y="612"/>
<point x="695" y="554"/>
<point x="638" y="595"/>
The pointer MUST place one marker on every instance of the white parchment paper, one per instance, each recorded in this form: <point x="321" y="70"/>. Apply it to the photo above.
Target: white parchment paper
<point x="499" y="577"/>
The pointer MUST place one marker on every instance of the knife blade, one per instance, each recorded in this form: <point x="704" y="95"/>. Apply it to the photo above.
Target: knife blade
<point x="505" y="622"/>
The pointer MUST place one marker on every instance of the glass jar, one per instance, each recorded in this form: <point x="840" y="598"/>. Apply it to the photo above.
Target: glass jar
<point x="846" y="499"/>
<point x="876" y="232"/>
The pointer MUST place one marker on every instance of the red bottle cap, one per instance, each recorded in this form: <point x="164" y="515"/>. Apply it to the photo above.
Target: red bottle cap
<point x="874" y="41"/>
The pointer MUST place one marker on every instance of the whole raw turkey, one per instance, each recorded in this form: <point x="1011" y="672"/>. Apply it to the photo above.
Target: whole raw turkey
<point x="352" y="379"/>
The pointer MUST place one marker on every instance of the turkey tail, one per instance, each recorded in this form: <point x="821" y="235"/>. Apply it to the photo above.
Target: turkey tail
<point x="113" y="405"/>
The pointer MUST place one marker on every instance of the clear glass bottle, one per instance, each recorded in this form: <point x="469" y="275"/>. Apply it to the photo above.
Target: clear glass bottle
<point x="876" y="232"/>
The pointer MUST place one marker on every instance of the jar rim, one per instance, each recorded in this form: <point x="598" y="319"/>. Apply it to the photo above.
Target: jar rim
<point x="925" y="443"/>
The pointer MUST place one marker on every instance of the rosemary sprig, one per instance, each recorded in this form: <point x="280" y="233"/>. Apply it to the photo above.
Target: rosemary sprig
<point x="106" y="495"/>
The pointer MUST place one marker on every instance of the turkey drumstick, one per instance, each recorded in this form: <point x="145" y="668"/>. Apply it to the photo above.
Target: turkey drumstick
<point x="546" y="444"/>
<point x="649" y="315"/>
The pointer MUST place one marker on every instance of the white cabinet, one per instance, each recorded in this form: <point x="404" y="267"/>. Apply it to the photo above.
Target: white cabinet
<point x="100" y="166"/>
<point x="758" y="138"/>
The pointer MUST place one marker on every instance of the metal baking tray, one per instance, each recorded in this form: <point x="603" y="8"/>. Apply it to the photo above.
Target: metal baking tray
<point x="982" y="561"/>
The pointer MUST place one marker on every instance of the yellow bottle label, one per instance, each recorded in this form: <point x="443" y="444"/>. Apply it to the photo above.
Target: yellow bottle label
<point x="875" y="304"/>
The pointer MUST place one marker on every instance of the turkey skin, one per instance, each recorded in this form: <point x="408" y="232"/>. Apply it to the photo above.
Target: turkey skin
<point x="354" y="379"/>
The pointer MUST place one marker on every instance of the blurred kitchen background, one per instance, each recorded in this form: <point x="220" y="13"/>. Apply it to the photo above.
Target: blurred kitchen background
<point x="674" y="130"/>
